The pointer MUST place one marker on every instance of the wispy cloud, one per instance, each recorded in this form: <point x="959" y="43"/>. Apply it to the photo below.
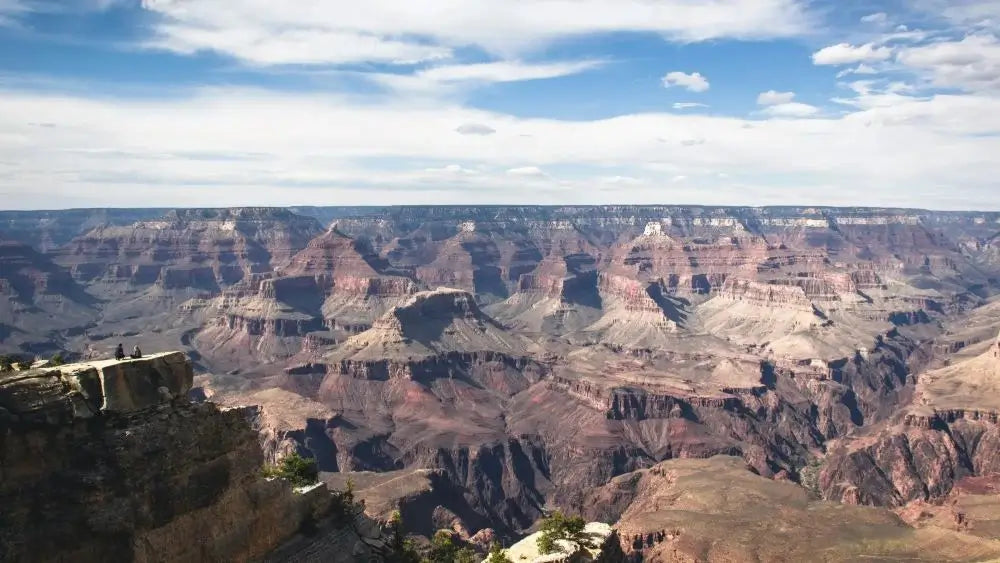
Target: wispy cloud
<point x="452" y="76"/>
<point x="790" y="109"/>
<point x="689" y="105"/>
<point x="335" y="31"/>
<point x="475" y="129"/>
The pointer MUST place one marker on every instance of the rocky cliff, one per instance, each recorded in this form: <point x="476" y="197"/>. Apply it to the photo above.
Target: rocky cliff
<point x="110" y="462"/>
<point x="40" y="303"/>
<point x="950" y="432"/>
<point x="200" y="249"/>
<point x="716" y="510"/>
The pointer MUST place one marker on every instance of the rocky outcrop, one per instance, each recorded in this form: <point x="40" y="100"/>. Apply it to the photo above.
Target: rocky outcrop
<point x="921" y="459"/>
<point x="716" y="510"/>
<point x="110" y="462"/>
<point x="78" y="391"/>
<point x="950" y="432"/>
<point x="777" y="295"/>
<point x="633" y="294"/>
<point x="606" y="548"/>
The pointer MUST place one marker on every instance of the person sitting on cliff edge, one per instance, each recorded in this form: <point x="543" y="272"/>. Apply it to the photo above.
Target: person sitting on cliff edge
<point x="136" y="353"/>
<point x="119" y="352"/>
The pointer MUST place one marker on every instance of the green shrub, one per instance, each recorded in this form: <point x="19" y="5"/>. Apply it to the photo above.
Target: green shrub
<point x="809" y="478"/>
<point x="444" y="549"/>
<point x="295" y="469"/>
<point x="558" y="526"/>
<point x="57" y="360"/>
<point x="497" y="554"/>
<point x="9" y="362"/>
<point x="344" y="505"/>
<point x="401" y="549"/>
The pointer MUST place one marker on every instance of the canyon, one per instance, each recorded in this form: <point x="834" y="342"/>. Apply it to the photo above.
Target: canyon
<point x="700" y="378"/>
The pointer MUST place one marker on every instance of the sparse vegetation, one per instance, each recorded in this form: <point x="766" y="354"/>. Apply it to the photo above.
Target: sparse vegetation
<point x="557" y="526"/>
<point x="809" y="477"/>
<point x="401" y="549"/>
<point x="344" y="504"/>
<point x="57" y="360"/>
<point x="10" y="362"/>
<point x="497" y="554"/>
<point x="297" y="470"/>
<point x="445" y="549"/>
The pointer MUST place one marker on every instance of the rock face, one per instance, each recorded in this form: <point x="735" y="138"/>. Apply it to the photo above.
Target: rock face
<point x="48" y="230"/>
<point x="331" y="289"/>
<point x="39" y="301"/>
<point x="717" y="510"/>
<point x="79" y="391"/>
<point x="949" y="433"/>
<point x="202" y="249"/>
<point x="130" y="477"/>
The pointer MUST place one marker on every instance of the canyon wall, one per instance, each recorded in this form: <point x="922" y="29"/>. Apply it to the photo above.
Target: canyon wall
<point x="110" y="462"/>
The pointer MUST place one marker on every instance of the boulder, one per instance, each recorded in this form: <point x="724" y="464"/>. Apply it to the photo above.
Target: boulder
<point x="82" y="390"/>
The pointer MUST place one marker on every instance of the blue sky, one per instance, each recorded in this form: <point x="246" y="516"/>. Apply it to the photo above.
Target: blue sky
<point x="743" y="102"/>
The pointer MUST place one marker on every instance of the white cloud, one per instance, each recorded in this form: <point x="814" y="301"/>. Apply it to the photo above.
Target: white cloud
<point x="266" y="46"/>
<point x="436" y="79"/>
<point x="972" y="63"/>
<point x="475" y="129"/>
<point x="333" y="31"/>
<point x="689" y="105"/>
<point x="623" y="181"/>
<point x="452" y="169"/>
<point x="791" y="109"/>
<point x="876" y="18"/>
<point x="845" y="53"/>
<point x="773" y="98"/>
<point x="860" y="69"/>
<point x="219" y="146"/>
<point x="694" y="82"/>
<point x="527" y="171"/>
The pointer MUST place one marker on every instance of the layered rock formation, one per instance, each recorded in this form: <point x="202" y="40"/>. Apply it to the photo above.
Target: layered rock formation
<point x="48" y="230"/>
<point x="40" y="303"/>
<point x="717" y="510"/>
<point x="109" y="462"/>
<point x="577" y="344"/>
<point x="330" y="289"/>
<point x="950" y="432"/>
<point x="199" y="249"/>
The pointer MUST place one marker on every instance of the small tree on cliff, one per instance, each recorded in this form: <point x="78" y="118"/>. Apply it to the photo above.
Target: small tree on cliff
<point x="497" y="554"/>
<point x="557" y="526"/>
<point x="295" y="469"/>
<point x="444" y="549"/>
<point x="401" y="549"/>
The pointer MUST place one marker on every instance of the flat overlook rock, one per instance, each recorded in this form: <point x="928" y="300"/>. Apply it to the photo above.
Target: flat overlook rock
<point x="701" y="383"/>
